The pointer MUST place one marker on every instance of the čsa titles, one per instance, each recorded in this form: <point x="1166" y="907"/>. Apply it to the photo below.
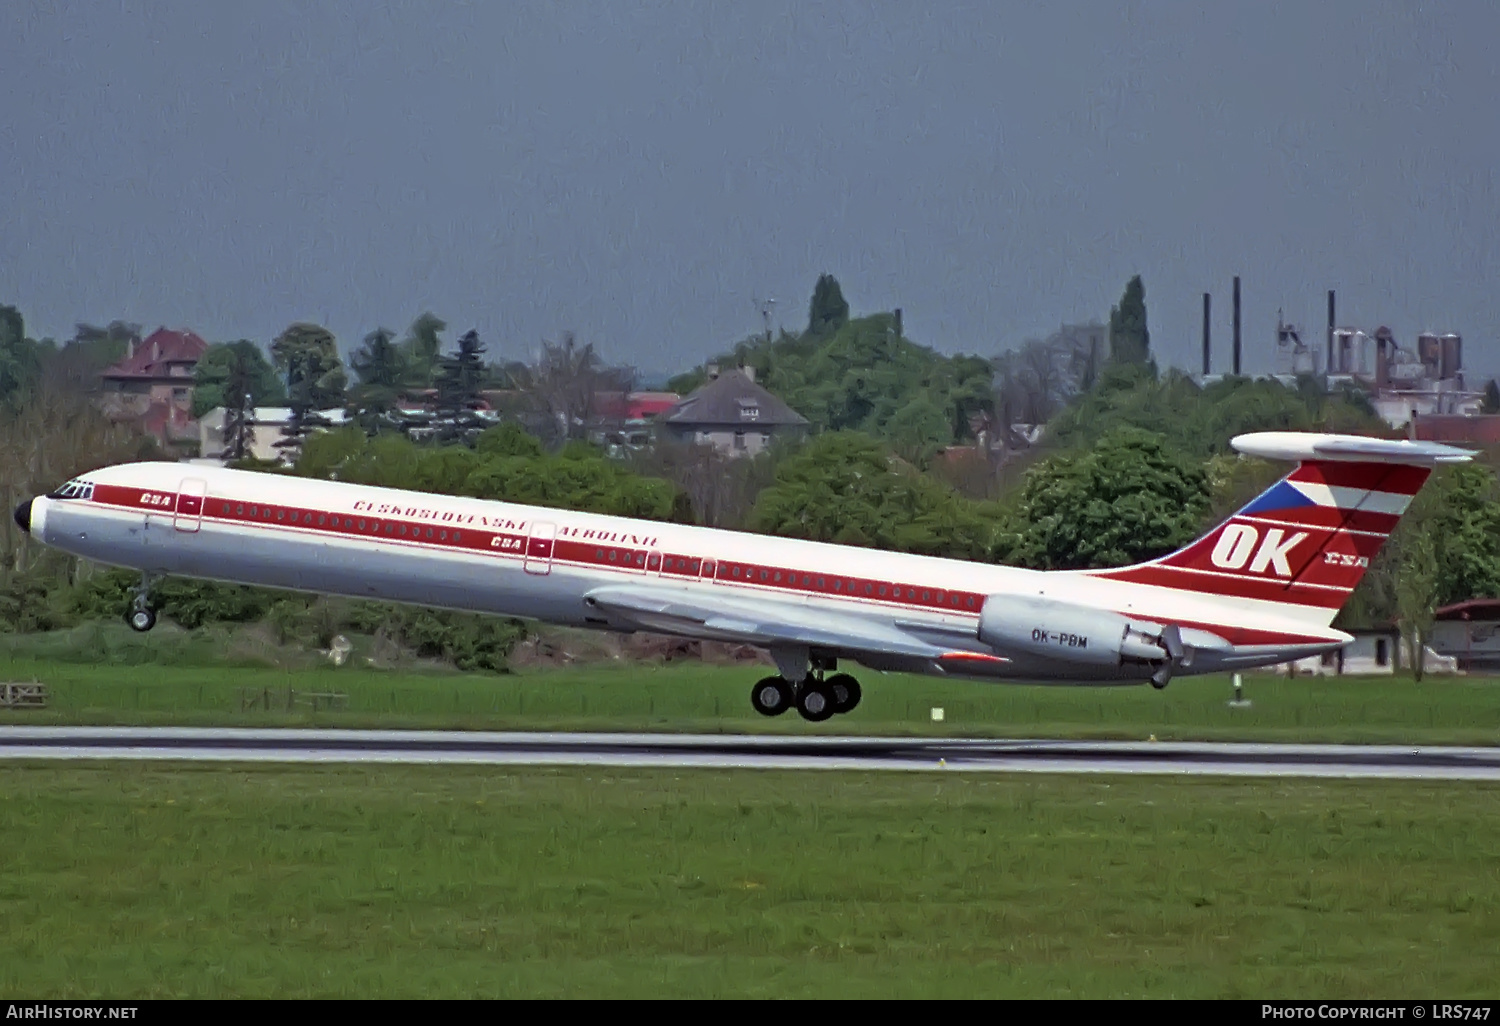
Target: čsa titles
<point x="448" y="516"/>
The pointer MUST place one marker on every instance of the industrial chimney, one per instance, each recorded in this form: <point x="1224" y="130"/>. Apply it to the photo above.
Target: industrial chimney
<point x="1329" y="364"/>
<point x="1205" y="335"/>
<point x="1236" y="325"/>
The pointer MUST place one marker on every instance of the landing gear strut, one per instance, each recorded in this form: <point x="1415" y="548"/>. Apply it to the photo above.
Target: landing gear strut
<point x="815" y="697"/>
<point x="141" y="616"/>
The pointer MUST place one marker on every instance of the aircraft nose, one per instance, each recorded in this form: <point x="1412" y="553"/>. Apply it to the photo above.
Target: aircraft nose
<point x="23" y="516"/>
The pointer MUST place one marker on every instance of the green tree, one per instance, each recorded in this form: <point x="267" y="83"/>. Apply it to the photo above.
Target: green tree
<point x="1127" y="499"/>
<point x="315" y="380"/>
<point x="1129" y="341"/>
<point x="1417" y="591"/>
<point x="1491" y="397"/>
<point x="844" y="487"/>
<point x="421" y="348"/>
<point x="239" y="406"/>
<point x="211" y="386"/>
<point x="460" y="378"/>
<point x="1202" y="421"/>
<point x="1462" y="509"/>
<point x="20" y="358"/>
<point x="1450" y="534"/>
<point x="381" y="369"/>
<point x="503" y="465"/>
<point x="106" y="345"/>
<point x="828" y="311"/>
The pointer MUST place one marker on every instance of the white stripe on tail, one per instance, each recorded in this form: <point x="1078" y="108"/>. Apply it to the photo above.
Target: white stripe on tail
<point x="1306" y="541"/>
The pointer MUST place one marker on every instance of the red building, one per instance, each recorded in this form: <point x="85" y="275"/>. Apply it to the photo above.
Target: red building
<point x="153" y="386"/>
<point x="1458" y="429"/>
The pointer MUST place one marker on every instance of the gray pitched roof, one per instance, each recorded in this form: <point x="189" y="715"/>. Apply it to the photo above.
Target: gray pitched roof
<point x="733" y="400"/>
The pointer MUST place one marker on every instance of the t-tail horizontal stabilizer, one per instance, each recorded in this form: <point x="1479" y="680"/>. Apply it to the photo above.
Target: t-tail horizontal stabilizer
<point x="1299" y="548"/>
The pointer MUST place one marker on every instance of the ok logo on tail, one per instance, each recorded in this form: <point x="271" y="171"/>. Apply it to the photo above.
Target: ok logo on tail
<point x="1235" y="547"/>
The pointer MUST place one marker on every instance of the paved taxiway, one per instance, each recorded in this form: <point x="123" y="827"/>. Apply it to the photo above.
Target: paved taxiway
<point x="748" y="751"/>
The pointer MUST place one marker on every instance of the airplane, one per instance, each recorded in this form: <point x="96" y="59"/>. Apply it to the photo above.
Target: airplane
<point x="1261" y="588"/>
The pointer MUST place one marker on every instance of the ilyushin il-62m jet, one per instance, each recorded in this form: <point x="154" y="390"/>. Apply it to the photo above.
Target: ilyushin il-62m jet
<point x="1260" y="588"/>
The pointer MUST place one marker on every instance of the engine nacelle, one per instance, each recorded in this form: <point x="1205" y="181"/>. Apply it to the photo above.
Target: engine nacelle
<point x="1049" y="629"/>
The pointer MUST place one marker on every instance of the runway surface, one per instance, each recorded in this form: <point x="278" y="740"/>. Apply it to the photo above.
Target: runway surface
<point x="748" y="751"/>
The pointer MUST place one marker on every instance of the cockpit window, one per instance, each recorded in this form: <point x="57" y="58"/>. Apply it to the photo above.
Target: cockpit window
<point x="74" y="489"/>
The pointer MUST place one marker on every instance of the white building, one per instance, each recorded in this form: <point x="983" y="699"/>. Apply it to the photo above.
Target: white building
<point x="266" y="426"/>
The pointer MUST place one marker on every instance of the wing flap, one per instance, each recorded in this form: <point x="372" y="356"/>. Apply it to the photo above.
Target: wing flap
<point x="766" y="623"/>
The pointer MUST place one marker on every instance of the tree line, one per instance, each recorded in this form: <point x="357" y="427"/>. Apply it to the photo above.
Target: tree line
<point x="1132" y="462"/>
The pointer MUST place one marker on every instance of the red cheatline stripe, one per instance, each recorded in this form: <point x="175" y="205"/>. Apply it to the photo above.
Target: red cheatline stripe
<point x="1377" y="477"/>
<point x="608" y="555"/>
<point x="973" y="657"/>
<point x="1183" y="579"/>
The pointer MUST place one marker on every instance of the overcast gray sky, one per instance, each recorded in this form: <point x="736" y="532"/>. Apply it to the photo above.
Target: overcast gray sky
<point x="641" y="173"/>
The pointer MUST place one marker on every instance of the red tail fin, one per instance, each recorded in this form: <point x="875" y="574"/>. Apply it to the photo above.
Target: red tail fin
<point x="1307" y="540"/>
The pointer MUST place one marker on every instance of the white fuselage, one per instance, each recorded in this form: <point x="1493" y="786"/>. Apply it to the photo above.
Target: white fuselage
<point x="524" y="561"/>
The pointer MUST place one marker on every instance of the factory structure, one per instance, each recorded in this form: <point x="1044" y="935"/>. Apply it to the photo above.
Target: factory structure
<point x="1417" y="386"/>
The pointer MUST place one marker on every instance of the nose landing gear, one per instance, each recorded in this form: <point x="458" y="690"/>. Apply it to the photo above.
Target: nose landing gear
<point x="141" y="616"/>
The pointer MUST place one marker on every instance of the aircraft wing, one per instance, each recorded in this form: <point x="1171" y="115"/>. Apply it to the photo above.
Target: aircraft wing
<point x="765" y="623"/>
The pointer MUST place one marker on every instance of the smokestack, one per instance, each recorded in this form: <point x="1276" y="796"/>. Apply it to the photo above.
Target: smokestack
<point x="898" y="323"/>
<point x="1329" y="364"/>
<point x="1236" y="325"/>
<point x="1206" y="349"/>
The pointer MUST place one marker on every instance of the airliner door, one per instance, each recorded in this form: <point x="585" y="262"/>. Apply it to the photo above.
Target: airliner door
<point x="539" y="548"/>
<point x="188" y="516"/>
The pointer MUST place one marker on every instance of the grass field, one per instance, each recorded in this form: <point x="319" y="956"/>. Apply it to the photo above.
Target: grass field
<point x="123" y="880"/>
<point x="699" y="697"/>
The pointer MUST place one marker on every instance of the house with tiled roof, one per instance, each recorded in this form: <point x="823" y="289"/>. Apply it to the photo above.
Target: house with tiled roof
<point x="153" y="386"/>
<point x="733" y="414"/>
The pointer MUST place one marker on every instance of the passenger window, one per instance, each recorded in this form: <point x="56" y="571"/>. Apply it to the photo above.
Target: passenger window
<point x="322" y="519"/>
<point x="226" y="508"/>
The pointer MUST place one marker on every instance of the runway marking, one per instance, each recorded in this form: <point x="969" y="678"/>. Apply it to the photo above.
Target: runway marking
<point x="745" y="751"/>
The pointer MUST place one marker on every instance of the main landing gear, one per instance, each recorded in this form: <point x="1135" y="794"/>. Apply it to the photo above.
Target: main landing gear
<point x="141" y="616"/>
<point x="816" y="697"/>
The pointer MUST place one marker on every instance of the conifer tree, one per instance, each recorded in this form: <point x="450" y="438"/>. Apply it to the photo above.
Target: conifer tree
<point x="1129" y="341"/>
